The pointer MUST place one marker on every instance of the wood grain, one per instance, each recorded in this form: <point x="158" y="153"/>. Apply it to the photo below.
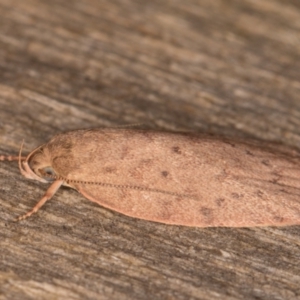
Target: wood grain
<point x="225" y="67"/>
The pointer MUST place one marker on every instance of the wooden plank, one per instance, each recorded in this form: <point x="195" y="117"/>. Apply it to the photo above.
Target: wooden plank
<point x="226" y="67"/>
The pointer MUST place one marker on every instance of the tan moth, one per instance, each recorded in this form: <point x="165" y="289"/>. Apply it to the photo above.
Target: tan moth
<point x="172" y="178"/>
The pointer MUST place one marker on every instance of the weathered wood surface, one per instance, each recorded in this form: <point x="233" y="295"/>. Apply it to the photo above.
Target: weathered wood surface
<point x="227" y="67"/>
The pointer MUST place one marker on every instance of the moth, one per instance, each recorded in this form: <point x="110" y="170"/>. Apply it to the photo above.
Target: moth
<point x="172" y="178"/>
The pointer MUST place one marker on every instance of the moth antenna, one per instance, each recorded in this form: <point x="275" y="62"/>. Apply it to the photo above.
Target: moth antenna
<point x="13" y="157"/>
<point x="132" y="187"/>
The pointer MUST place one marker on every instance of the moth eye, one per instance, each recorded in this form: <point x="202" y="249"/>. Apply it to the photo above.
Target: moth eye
<point x="47" y="173"/>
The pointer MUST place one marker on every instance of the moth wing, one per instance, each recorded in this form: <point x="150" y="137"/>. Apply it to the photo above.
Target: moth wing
<point x="186" y="179"/>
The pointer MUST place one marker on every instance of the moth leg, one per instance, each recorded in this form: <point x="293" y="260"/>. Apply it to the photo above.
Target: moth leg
<point x="48" y="195"/>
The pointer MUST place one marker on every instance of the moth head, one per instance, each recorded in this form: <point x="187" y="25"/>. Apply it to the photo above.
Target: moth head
<point x="40" y="164"/>
<point x="37" y="165"/>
